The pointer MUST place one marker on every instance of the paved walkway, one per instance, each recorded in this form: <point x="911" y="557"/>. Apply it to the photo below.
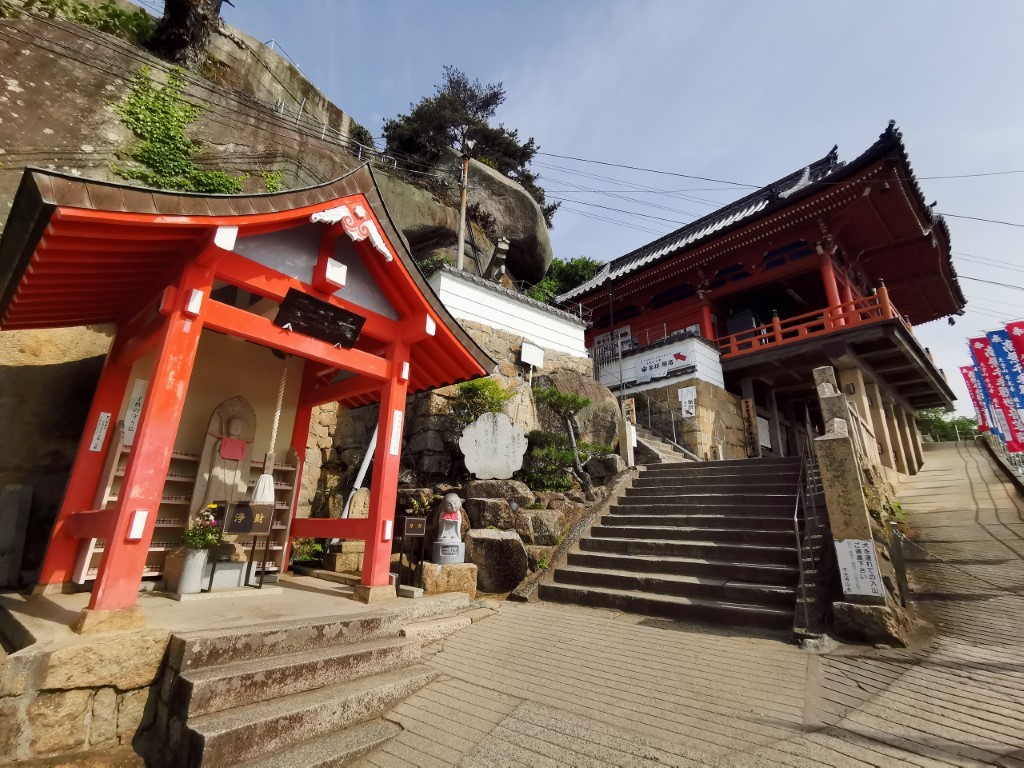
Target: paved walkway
<point x="552" y="685"/>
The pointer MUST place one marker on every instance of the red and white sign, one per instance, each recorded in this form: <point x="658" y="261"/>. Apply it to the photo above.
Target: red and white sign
<point x="1005" y="418"/>
<point x="1016" y="331"/>
<point x="972" y="387"/>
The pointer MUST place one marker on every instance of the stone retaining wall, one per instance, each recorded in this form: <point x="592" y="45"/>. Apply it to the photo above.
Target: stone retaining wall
<point x="84" y="694"/>
<point x="718" y="421"/>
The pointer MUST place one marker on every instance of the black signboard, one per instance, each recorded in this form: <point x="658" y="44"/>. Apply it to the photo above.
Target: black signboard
<point x="415" y="526"/>
<point x="246" y="518"/>
<point x="313" y="317"/>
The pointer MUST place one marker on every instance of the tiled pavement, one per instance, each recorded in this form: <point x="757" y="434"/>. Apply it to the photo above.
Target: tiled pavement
<point x="553" y="685"/>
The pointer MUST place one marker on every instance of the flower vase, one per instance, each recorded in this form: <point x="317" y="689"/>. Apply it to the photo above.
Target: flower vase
<point x="192" y="572"/>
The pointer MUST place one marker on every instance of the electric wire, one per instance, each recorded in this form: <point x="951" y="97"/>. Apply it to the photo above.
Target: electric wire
<point x="992" y="282"/>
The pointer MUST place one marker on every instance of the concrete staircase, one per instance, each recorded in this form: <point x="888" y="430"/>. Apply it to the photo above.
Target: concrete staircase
<point x="308" y="692"/>
<point x="652" y="449"/>
<point x="709" y="541"/>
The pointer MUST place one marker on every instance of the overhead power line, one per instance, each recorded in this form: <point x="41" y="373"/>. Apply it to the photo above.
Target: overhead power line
<point x="650" y="170"/>
<point x="991" y="282"/>
<point x="988" y="221"/>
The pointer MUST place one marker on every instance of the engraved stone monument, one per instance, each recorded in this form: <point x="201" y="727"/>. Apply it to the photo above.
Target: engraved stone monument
<point x="493" y="447"/>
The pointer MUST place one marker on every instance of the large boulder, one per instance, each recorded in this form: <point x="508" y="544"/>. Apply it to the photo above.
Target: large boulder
<point x="516" y="215"/>
<point x="490" y="513"/>
<point x="603" y="468"/>
<point x="500" y="558"/>
<point x="599" y="421"/>
<point x="509" y="490"/>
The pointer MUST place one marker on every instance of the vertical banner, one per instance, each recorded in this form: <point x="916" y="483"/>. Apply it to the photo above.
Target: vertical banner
<point x="1012" y="372"/>
<point x="1016" y="331"/>
<point x="1003" y="415"/>
<point x="967" y="371"/>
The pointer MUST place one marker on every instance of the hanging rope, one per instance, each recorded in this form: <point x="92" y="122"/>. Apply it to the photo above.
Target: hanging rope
<point x="280" y="403"/>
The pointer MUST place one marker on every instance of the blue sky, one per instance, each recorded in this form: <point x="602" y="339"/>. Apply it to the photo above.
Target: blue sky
<point x="746" y="91"/>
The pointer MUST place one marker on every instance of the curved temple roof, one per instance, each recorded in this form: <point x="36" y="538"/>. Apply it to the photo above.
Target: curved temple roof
<point x="820" y="176"/>
<point x="78" y="252"/>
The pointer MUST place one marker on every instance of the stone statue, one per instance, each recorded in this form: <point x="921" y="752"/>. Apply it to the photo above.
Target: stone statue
<point x="225" y="467"/>
<point x="449" y="548"/>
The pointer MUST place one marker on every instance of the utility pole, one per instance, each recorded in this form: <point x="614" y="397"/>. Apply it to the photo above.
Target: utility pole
<point x="460" y="258"/>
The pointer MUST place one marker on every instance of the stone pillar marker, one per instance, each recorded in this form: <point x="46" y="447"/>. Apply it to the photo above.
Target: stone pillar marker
<point x="865" y="610"/>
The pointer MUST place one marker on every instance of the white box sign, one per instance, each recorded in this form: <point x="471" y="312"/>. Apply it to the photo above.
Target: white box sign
<point x="134" y="412"/>
<point x="532" y="355"/>
<point x="858" y="568"/>
<point x="764" y="435"/>
<point x="100" y="433"/>
<point x="688" y="401"/>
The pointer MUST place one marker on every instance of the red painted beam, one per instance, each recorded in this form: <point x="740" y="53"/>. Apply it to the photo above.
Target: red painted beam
<point x="330" y="528"/>
<point x="343" y="390"/>
<point x="93" y="524"/>
<point x="256" y="278"/>
<point x="237" y="322"/>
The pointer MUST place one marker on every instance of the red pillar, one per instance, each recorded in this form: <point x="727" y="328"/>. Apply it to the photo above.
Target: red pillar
<point x="384" y="488"/>
<point x="828" y="278"/>
<point x="300" y="437"/>
<point x="120" y="571"/>
<point x="707" y="328"/>
<point x="88" y="467"/>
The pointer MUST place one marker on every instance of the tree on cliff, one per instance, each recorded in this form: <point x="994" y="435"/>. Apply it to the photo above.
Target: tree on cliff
<point x="183" y="34"/>
<point x="563" y="276"/>
<point x="462" y="109"/>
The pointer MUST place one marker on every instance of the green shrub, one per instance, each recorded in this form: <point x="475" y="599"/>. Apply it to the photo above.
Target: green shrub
<point x="306" y="550"/>
<point x="477" y="397"/>
<point x="109" y="17"/>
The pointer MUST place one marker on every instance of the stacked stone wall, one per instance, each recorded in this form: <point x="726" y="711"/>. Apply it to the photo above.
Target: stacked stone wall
<point x="718" y="421"/>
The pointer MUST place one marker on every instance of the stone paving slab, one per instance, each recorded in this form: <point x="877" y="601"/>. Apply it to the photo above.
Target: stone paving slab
<point x="554" y="685"/>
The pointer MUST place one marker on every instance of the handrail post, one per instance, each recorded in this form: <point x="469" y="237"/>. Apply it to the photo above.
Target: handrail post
<point x="776" y="326"/>
<point x="883" y="300"/>
<point x="673" y="415"/>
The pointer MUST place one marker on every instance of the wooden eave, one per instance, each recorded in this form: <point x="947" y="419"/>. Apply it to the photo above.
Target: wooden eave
<point x="77" y="252"/>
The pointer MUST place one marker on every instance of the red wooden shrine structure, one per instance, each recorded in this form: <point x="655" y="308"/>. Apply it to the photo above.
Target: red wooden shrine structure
<point x="834" y="253"/>
<point x="167" y="268"/>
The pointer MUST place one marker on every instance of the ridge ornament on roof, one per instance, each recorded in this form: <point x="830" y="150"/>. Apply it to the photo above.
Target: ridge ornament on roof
<point x="357" y="227"/>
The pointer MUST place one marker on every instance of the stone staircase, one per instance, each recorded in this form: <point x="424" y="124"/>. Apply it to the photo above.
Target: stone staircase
<point x="652" y="449"/>
<point x="307" y="692"/>
<point x="710" y="541"/>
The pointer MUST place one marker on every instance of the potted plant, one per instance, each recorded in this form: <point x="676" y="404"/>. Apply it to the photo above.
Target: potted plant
<point x="200" y="537"/>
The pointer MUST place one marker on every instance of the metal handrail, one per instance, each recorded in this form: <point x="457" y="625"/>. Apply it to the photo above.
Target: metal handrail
<point x="650" y="425"/>
<point x="799" y="545"/>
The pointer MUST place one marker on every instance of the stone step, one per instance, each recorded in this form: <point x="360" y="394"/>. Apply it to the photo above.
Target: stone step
<point x="793" y="461"/>
<point x="667" y="530"/>
<point x="194" y="650"/>
<point x="753" y="467"/>
<point x="669" y="606"/>
<point x="665" y="486"/>
<point x="333" y="750"/>
<point x="726" y="496"/>
<point x="760" y="573"/>
<point x="749" y="522"/>
<point x="704" y="587"/>
<point x="646" y="541"/>
<point x="431" y="630"/>
<point x="684" y="507"/>
<point x="239" y="735"/>
<point x="215" y="689"/>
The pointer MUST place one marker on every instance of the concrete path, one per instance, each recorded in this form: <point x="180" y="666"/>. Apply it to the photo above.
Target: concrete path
<point x="552" y="685"/>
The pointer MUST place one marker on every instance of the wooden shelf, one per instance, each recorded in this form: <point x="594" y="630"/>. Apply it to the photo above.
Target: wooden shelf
<point x="173" y="515"/>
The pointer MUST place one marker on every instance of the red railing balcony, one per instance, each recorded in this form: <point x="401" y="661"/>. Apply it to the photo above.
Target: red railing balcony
<point x="852" y="314"/>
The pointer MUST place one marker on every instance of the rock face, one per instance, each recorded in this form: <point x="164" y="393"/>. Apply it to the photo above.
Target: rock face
<point x="509" y="490"/>
<point x="516" y="215"/>
<point x="599" y="421"/>
<point x="604" y="468"/>
<point x="500" y="558"/>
